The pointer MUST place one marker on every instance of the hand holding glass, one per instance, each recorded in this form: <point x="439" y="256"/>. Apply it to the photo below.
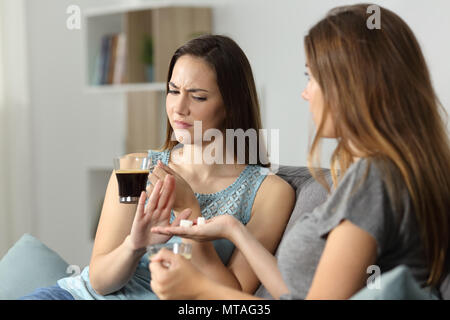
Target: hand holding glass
<point x="185" y="249"/>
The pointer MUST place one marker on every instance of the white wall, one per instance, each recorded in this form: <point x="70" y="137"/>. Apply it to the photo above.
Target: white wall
<point x="271" y="33"/>
<point x="74" y="131"/>
<point x="16" y="196"/>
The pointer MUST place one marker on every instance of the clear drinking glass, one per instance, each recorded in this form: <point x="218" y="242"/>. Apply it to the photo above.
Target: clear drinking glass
<point x="132" y="175"/>
<point x="185" y="249"/>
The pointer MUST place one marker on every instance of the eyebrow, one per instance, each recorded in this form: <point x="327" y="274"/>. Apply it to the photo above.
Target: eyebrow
<point x="188" y="90"/>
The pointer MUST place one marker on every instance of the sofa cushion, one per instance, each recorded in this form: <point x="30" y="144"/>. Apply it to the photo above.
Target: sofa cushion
<point x="28" y="265"/>
<point x="309" y="193"/>
<point x="396" y="284"/>
<point x="444" y="289"/>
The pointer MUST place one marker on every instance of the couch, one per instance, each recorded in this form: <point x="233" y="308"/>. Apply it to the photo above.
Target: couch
<point x="30" y="264"/>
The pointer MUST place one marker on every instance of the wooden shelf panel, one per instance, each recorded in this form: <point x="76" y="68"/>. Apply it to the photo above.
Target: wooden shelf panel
<point x="137" y="5"/>
<point x="146" y="124"/>
<point x="173" y="27"/>
<point x="130" y="87"/>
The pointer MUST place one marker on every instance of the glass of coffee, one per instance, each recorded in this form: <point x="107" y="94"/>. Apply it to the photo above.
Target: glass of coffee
<point x="132" y="174"/>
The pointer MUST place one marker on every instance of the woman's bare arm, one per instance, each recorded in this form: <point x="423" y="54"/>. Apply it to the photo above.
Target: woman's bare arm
<point x="113" y="259"/>
<point x="271" y="211"/>
<point x="253" y="258"/>
<point x="341" y="272"/>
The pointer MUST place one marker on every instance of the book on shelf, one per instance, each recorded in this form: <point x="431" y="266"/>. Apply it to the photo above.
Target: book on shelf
<point x="110" y="64"/>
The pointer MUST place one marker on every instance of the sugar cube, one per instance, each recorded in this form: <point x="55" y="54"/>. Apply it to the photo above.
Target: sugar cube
<point x="200" y="221"/>
<point x="186" y="223"/>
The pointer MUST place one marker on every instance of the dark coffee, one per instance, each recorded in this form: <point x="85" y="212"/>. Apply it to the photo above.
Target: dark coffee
<point x="132" y="182"/>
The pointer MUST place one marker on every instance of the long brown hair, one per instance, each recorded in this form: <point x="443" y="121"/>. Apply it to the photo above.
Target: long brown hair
<point x="377" y="87"/>
<point x="236" y="84"/>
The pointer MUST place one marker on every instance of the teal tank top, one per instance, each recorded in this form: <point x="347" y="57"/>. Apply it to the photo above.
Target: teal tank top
<point x="236" y="200"/>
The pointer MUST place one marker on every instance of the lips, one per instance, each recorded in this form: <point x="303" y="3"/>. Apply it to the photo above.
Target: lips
<point x="182" y="124"/>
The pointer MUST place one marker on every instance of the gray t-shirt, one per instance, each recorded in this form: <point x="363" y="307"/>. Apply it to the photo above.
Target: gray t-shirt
<point x="366" y="204"/>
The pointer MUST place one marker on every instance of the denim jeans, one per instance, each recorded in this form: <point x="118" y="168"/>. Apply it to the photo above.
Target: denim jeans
<point x="49" y="293"/>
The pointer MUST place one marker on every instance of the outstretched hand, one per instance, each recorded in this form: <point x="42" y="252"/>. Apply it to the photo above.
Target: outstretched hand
<point x="184" y="195"/>
<point x="215" y="228"/>
<point x="155" y="213"/>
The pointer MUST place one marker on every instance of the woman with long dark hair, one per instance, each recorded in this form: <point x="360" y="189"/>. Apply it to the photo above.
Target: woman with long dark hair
<point x="210" y="82"/>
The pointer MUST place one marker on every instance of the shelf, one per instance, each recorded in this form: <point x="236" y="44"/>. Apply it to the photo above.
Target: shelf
<point x="114" y="39"/>
<point x="137" y="5"/>
<point x="123" y="88"/>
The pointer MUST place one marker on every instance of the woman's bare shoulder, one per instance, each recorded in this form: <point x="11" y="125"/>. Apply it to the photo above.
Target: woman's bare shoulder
<point x="274" y="181"/>
<point x="272" y="190"/>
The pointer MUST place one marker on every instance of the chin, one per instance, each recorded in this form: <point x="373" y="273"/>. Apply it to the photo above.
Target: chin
<point x="183" y="136"/>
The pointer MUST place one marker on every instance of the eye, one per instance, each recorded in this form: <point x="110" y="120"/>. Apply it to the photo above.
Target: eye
<point x="199" y="98"/>
<point x="173" y="92"/>
<point x="307" y="75"/>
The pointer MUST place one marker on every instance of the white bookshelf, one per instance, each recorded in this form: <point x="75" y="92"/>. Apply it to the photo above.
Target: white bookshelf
<point x="137" y="5"/>
<point x="124" y="88"/>
<point x="169" y="23"/>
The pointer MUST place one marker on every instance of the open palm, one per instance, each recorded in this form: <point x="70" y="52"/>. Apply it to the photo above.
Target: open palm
<point x="155" y="214"/>
<point x="215" y="228"/>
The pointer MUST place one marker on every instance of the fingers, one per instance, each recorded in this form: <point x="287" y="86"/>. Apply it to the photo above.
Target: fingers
<point x="160" y="266"/>
<point x="161" y="256"/>
<point x="184" y="232"/>
<point x="160" y="230"/>
<point x="154" y="197"/>
<point x="167" y="196"/>
<point x="164" y="230"/>
<point x="182" y="216"/>
<point x="157" y="174"/>
<point x="156" y="287"/>
<point x="161" y="200"/>
<point x="167" y="169"/>
<point x="149" y="188"/>
<point x="166" y="200"/>
<point x="141" y="205"/>
<point x="153" y="179"/>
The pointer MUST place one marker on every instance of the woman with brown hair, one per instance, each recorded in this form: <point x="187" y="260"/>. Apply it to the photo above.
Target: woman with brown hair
<point x="210" y="82"/>
<point x="390" y="204"/>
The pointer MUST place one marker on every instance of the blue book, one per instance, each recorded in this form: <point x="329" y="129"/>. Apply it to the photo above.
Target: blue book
<point x="106" y="53"/>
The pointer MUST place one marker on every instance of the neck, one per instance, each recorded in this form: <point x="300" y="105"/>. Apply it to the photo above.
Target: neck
<point x="206" y="159"/>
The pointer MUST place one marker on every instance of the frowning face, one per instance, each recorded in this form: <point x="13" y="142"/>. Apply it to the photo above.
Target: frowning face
<point x="194" y="96"/>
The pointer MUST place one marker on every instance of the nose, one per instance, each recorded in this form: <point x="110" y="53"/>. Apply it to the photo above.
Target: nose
<point x="305" y="94"/>
<point x="180" y="105"/>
